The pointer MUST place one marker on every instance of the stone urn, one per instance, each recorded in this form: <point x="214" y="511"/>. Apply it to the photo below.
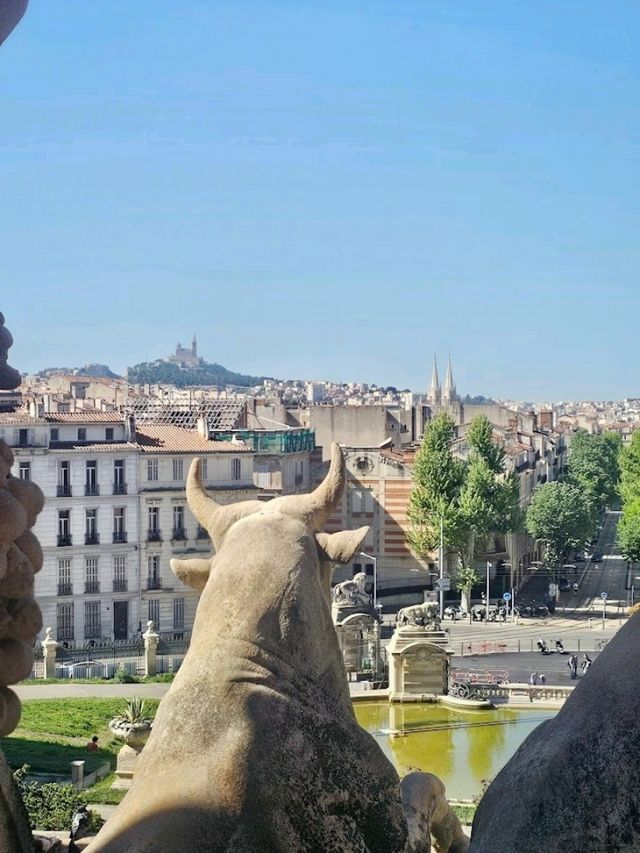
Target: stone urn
<point x="134" y="730"/>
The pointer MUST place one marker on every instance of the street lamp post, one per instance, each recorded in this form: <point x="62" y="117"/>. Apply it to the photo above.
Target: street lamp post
<point x="375" y="576"/>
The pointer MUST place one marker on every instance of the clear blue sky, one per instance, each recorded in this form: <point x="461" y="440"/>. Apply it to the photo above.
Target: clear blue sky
<point x="328" y="189"/>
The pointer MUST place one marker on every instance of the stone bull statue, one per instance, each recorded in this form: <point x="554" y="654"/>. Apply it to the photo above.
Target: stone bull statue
<point x="256" y="747"/>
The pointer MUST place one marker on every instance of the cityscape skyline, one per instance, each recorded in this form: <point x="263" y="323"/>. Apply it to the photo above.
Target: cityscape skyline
<point x="444" y="182"/>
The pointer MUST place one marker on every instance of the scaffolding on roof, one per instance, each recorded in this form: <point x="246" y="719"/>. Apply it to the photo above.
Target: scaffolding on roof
<point x="219" y="414"/>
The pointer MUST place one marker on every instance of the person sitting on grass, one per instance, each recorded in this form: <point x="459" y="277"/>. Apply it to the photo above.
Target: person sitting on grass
<point x="92" y="746"/>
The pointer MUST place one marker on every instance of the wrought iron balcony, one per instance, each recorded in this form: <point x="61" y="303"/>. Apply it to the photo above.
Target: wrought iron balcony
<point x="154" y="583"/>
<point x="92" y="586"/>
<point x="154" y="535"/>
<point x="65" y="589"/>
<point x="119" y="537"/>
<point x="91" y="489"/>
<point x="64" y="539"/>
<point x="91" y="538"/>
<point x="92" y="632"/>
<point x="201" y="533"/>
<point x="120" y="585"/>
<point x="119" y="488"/>
<point x="64" y="491"/>
<point x="179" y="533"/>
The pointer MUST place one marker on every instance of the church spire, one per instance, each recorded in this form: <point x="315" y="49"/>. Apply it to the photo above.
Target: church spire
<point x="449" y="394"/>
<point x="433" y="394"/>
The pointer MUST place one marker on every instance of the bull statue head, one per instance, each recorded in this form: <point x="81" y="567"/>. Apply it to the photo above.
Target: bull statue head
<point x="312" y="510"/>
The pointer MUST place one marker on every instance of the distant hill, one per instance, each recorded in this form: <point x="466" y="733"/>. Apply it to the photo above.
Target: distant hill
<point x="101" y="370"/>
<point x="166" y="373"/>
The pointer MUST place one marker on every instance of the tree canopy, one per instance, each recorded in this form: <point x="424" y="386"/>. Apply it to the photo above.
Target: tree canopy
<point x="560" y="515"/>
<point x="474" y="497"/>
<point x="629" y="532"/>
<point x="593" y="467"/>
<point x="167" y="373"/>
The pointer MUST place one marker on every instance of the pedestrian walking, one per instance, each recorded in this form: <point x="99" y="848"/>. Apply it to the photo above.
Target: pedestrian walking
<point x="533" y="679"/>
<point x="572" y="663"/>
<point x="586" y="663"/>
<point x="543" y="679"/>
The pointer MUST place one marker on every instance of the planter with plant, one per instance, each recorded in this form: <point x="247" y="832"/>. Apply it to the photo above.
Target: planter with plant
<point x="133" y="727"/>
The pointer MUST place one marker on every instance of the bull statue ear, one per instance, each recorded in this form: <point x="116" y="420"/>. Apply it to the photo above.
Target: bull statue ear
<point x="194" y="573"/>
<point x="340" y="547"/>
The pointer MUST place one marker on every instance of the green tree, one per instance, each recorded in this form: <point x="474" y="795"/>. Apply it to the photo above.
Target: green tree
<point x="593" y="468"/>
<point x="629" y="532"/>
<point x="473" y="498"/>
<point x="560" y="516"/>
<point x="630" y="469"/>
<point x="437" y="479"/>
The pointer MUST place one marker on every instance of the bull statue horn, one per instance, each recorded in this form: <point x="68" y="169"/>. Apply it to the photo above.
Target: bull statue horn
<point x="200" y="503"/>
<point x="315" y="508"/>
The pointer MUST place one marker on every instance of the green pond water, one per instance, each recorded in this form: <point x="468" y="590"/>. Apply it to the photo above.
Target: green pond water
<point x="463" y="748"/>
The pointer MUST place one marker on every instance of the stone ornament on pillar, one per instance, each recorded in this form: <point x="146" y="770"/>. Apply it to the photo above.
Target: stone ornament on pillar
<point x="151" y="639"/>
<point x="49" y="647"/>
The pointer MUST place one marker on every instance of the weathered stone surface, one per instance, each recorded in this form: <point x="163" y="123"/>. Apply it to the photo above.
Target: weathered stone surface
<point x="430" y="816"/>
<point x="256" y="746"/>
<point x="10" y="14"/>
<point x="574" y="784"/>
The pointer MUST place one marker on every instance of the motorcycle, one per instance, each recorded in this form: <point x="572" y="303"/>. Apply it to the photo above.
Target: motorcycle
<point x="543" y="647"/>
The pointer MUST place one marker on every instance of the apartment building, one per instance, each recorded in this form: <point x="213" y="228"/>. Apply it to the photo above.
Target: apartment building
<point x="86" y="465"/>
<point x="168" y="529"/>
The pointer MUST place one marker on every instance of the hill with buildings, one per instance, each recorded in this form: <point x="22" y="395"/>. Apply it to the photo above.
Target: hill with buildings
<point x="101" y="370"/>
<point x="169" y="373"/>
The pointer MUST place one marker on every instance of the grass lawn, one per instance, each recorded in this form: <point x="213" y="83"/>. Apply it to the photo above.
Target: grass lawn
<point x="54" y="732"/>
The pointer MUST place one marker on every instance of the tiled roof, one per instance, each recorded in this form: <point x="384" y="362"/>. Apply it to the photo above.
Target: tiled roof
<point x="84" y="418"/>
<point x="19" y="419"/>
<point x="93" y="447"/>
<point x="153" y="438"/>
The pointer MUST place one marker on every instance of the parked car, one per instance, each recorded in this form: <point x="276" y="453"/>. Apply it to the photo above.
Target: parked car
<point x="596" y="557"/>
<point x="564" y="585"/>
<point x="579" y="557"/>
<point x="453" y="611"/>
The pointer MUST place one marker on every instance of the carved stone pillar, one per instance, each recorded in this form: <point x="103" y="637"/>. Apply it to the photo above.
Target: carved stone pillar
<point x="151" y="638"/>
<point x="20" y="618"/>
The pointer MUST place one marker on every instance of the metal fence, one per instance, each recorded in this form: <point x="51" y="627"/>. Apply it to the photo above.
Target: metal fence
<point x="527" y="644"/>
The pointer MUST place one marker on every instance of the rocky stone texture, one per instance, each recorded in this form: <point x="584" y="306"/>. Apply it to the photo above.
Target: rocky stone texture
<point x="20" y="619"/>
<point x="574" y="784"/>
<point x="9" y="378"/>
<point x="10" y="13"/>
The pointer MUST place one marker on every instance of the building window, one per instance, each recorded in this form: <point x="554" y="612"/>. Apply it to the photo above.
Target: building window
<point x="154" y="611"/>
<point x="64" y="619"/>
<point x="91" y="478"/>
<point x="24" y="470"/>
<point x="55" y="434"/>
<point x="82" y="434"/>
<point x="64" y="479"/>
<point x="91" y="536"/>
<point x="204" y="468"/>
<point x="119" y="525"/>
<point x="108" y="434"/>
<point x="92" y="578"/>
<point x="153" y="530"/>
<point x="23" y="437"/>
<point x="236" y="469"/>
<point x="178" y="469"/>
<point x="178" y="523"/>
<point x="64" y="527"/>
<point x="178" y="614"/>
<point x="120" y="573"/>
<point x="92" y="622"/>
<point x="65" y="586"/>
<point x="119" y="483"/>
<point x="152" y="469"/>
<point x="154" y="581"/>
